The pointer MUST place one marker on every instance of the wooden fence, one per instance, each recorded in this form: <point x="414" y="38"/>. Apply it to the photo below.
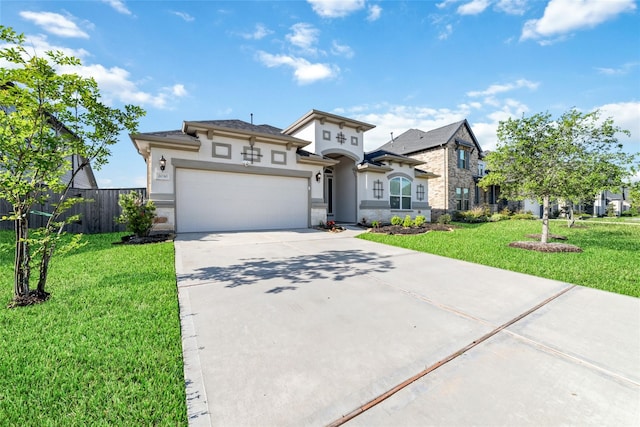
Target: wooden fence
<point x="96" y="216"/>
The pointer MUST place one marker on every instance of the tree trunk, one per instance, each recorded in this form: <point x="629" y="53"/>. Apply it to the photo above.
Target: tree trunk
<point x="22" y="258"/>
<point x="570" y="218"/>
<point x="544" y="237"/>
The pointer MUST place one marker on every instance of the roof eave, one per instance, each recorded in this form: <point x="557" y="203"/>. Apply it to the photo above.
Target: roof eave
<point x="327" y="117"/>
<point x="316" y="160"/>
<point x="369" y="167"/>
<point x="193" y="127"/>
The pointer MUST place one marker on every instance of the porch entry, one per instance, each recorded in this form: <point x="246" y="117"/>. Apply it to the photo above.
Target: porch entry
<point x="340" y="191"/>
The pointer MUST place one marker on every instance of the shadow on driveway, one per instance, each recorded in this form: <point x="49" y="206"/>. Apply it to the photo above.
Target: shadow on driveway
<point x="328" y="265"/>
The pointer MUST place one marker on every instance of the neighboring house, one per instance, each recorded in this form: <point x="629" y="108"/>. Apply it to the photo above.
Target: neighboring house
<point x="619" y="202"/>
<point x="84" y="179"/>
<point x="223" y="175"/>
<point x="453" y="153"/>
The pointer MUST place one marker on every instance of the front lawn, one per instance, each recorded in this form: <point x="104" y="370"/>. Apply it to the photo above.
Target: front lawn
<point x="609" y="260"/>
<point x="104" y="350"/>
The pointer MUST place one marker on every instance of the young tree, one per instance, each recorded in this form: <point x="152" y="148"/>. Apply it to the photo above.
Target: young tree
<point x="46" y="117"/>
<point x="571" y="158"/>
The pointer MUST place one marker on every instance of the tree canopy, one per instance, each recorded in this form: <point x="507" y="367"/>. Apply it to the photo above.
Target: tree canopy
<point x="571" y="158"/>
<point x="46" y="117"/>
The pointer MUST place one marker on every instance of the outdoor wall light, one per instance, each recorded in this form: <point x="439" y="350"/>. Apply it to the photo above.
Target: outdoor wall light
<point x="163" y="163"/>
<point x="318" y="177"/>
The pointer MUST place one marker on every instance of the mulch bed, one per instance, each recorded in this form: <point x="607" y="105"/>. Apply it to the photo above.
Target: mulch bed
<point x="424" y="228"/>
<point x="551" y="236"/>
<point x="545" y="247"/>
<point x="153" y="238"/>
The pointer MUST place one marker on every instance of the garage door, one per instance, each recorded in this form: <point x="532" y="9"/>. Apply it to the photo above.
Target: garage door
<point x="226" y="201"/>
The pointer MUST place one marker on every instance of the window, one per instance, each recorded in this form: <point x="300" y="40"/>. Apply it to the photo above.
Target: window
<point x="462" y="199"/>
<point x="354" y="140"/>
<point x="463" y="159"/>
<point x="420" y="192"/>
<point x="400" y="193"/>
<point x="251" y="154"/>
<point x="326" y="135"/>
<point x="341" y="138"/>
<point x="377" y="189"/>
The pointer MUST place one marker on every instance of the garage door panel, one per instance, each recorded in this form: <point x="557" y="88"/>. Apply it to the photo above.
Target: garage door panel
<point x="225" y="201"/>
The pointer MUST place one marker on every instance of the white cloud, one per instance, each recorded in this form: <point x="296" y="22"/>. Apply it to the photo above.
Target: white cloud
<point x="258" y="33"/>
<point x="446" y="3"/>
<point x="178" y="90"/>
<point x="474" y="7"/>
<point x="561" y="17"/>
<point x="184" y="15"/>
<point x="55" y="23"/>
<point x="341" y="50"/>
<point x="624" y="69"/>
<point x="304" y="36"/>
<point x="304" y="71"/>
<point x="39" y="45"/>
<point x="512" y="7"/>
<point x="116" y="85"/>
<point x="336" y="8"/>
<point x="400" y="118"/>
<point x="501" y="88"/>
<point x="119" y="6"/>
<point x="627" y="116"/>
<point x="444" y="34"/>
<point x="374" y="13"/>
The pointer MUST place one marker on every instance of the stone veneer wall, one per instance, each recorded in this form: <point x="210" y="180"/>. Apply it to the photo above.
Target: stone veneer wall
<point x="443" y="199"/>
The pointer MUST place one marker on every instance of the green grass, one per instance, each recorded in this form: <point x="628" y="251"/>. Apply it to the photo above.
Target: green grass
<point x="104" y="350"/>
<point x="609" y="261"/>
<point x="624" y="219"/>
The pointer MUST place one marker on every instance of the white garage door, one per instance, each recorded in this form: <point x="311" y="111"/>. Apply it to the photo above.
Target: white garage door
<point x="226" y="201"/>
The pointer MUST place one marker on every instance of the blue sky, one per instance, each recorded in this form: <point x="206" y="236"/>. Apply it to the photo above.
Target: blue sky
<point x="395" y="64"/>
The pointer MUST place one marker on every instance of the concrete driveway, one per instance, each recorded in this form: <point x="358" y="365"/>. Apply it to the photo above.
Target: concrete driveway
<point x="303" y="327"/>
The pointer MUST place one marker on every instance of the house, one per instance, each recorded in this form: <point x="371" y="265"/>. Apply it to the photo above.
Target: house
<point x="615" y="202"/>
<point x="453" y="153"/>
<point x="223" y="175"/>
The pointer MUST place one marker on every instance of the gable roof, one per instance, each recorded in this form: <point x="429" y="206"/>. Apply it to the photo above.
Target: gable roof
<point x="415" y="140"/>
<point x="328" y="117"/>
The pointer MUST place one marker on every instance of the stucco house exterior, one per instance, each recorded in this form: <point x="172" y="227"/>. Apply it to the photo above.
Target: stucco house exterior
<point x="224" y="175"/>
<point x="453" y="153"/>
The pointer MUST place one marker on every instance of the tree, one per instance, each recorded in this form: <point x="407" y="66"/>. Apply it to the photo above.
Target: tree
<point x="571" y="158"/>
<point x="46" y="117"/>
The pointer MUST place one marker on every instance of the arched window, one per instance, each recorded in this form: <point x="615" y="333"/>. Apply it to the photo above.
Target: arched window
<point x="400" y="193"/>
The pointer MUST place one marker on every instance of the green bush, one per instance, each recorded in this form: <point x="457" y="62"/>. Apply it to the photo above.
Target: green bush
<point x="444" y="219"/>
<point x="477" y="214"/>
<point x="375" y="224"/>
<point x="611" y="211"/>
<point x="498" y="217"/>
<point x="136" y="213"/>
<point x="630" y="212"/>
<point x="396" y="220"/>
<point x="420" y="219"/>
<point x="407" y="222"/>
<point x="523" y="215"/>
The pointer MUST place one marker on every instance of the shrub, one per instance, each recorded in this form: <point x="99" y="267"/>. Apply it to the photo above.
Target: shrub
<point x="505" y="212"/>
<point x="477" y="214"/>
<point x="375" y="224"/>
<point x="420" y="219"/>
<point x="523" y="215"/>
<point x="407" y="222"/>
<point x="498" y="217"/>
<point x="630" y="212"/>
<point x="136" y="213"/>
<point x="396" y="220"/>
<point x="611" y="211"/>
<point x="444" y="219"/>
